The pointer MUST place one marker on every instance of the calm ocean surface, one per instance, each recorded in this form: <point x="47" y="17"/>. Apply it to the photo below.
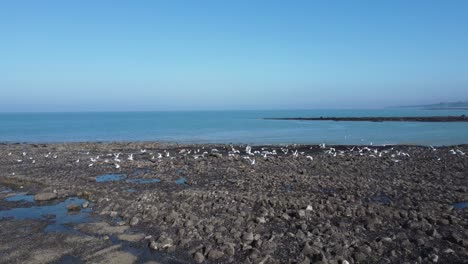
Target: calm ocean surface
<point x="232" y="127"/>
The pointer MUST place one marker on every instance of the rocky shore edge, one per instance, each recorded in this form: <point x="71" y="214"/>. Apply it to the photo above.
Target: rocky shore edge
<point x="258" y="204"/>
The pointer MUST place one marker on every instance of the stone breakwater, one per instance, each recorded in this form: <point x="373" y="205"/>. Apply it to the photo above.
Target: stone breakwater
<point x="261" y="204"/>
<point x="461" y="118"/>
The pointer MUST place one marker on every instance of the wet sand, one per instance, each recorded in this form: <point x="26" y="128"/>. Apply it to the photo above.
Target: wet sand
<point x="169" y="203"/>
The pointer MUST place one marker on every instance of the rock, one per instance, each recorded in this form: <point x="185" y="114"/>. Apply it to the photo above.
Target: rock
<point x="85" y="204"/>
<point x="134" y="221"/>
<point x="215" y="254"/>
<point x="198" y="257"/>
<point x="73" y="208"/>
<point x="131" y="237"/>
<point x="301" y="213"/>
<point x="188" y="224"/>
<point x="216" y="155"/>
<point x="247" y="237"/>
<point x="45" y="196"/>
<point x="230" y="250"/>
<point x="261" y="220"/>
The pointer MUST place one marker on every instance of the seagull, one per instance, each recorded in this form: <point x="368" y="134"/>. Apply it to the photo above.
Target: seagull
<point x="9" y="154"/>
<point x="34" y="161"/>
<point x="19" y="160"/>
<point x="24" y="153"/>
<point x="77" y="160"/>
<point x="55" y="156"/>
<point x="160" y="156"/>
<point x="167" y="154"/>
<point x="248" y="150"/>
<point x="117" y="166"/>
<point x="143" y="150"/>
<point x="453" y="152"/>
<point x="130" y="157"/>
<point x="310" y="157"/>
<point x="90" y="165"/>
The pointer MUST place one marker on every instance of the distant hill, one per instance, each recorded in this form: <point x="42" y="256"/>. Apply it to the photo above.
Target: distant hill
<point x="442" y="105"/>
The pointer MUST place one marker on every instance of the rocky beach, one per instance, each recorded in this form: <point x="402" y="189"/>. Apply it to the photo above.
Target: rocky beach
<point x="171" y="203"/>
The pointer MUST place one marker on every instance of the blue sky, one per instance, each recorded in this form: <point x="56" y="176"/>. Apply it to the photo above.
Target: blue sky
<point x="202" y="55"/>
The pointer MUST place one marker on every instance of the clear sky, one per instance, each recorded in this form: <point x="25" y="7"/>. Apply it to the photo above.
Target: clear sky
<point x="102" y="55"/>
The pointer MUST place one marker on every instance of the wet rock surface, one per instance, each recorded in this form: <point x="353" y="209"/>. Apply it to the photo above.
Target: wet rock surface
<point x="242" y="204"/>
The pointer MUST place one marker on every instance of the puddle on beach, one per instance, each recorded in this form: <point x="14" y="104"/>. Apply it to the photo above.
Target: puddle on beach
<point x="120" y="177"/>
<point x="143" y="181"/>
<point x="460" y="205"/>
<point x="110" y="177"/>
<point x="20" y="197"/>
<point x="57" y="214"/>
<point x="181" y="181"/>
<point x="68" y="259"/>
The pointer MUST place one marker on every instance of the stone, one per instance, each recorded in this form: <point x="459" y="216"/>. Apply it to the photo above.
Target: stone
<point x="215" y="254"/>
<point x="301" y="213"/>
<point x="261" y="220"/>
<point x="247" y="237"/>
<point x="85" y="204"/>
<point x="134" y="221"/>
<point x="73" y="208"/>
<point x="198" y="257"/>
<point x="45" y="196"/>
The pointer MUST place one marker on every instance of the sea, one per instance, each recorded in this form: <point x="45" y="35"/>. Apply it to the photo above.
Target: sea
<point x="236" y="127"/>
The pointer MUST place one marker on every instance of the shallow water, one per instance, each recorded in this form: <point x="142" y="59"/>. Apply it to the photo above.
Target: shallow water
<point x="181" y="181"/>
<point x="57" y="214"/>
<point x="461" y="205"/>
<point x="20" y="197"/>
<point x="110" y="177"/>
<point x="143" y="181"/>
<point x="233" y="127"/>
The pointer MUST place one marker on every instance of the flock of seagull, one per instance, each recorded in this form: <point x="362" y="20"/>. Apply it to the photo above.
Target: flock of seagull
<point x="250" y="155"/>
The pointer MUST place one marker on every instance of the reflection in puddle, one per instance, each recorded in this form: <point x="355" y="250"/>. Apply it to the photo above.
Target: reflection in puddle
<point x="20" y="197"/>
<point x="57" y="213"/>
<point x="460" y="205"/>
<point x="110" y="177"/>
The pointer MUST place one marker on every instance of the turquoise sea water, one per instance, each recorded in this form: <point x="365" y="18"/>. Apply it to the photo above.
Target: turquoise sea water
<point x="232" y="127"/>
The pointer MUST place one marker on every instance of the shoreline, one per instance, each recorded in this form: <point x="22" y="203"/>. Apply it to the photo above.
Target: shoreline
<point x="220" y="203"/>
